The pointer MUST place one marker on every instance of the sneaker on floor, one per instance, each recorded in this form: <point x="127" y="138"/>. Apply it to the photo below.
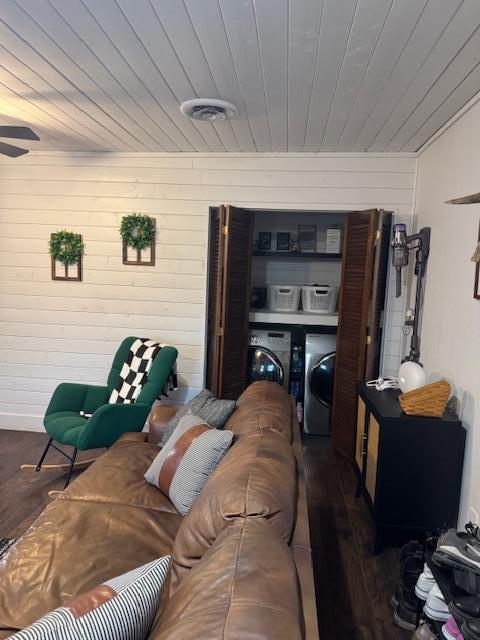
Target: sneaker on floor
<point x="394" y="600"/>
<point x="411" y="548"/>
<point x="451" y="631"/>
<point x="435" y="607"/>
<point x="458" y="550"/>
<point x="465" y="608"/>
<point x="411" y="568"/>
<point x="416" y="558"/>
<point x="425" y="583"/>
<point x="471" y="629"/>
<point x="424" y="632"/>
<point x="406" y="596"/>
<point x="404" y="617"/>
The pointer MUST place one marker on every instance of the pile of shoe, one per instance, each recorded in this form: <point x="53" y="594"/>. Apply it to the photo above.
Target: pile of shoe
<point x="428" y="590"/>
<point x="435" y="607"/>
<point x="404" y="600"/>
<point x="460" y="552"/>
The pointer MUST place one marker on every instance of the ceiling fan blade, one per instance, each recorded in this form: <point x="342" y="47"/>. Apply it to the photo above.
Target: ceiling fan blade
<point x="473" y="199"/>
<point x="21" y="133"/>
<point x="11" y="151"/>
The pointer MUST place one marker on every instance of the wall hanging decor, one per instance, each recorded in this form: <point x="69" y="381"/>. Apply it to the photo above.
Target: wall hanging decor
<point x="138" y="232"/>
<point x="307" y="237"/>
<point x="264" y="240"/>
<point x="283" y="241"/>
<point x="476" y="259"/>
<point x="66" y="248"/>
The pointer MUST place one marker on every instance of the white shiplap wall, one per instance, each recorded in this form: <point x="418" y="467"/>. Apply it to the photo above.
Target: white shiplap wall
<point x="55" y="331"/>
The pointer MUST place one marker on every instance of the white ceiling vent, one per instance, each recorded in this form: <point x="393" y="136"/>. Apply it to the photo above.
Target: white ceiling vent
<point x="208" y="109"/>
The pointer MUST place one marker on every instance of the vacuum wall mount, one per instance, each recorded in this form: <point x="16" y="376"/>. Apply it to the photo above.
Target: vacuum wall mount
<point x="402" y="245"/>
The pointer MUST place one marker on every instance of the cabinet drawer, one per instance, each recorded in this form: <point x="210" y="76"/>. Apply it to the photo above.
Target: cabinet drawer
<point x="361" y="412"/>
<point x="372" y="456"/>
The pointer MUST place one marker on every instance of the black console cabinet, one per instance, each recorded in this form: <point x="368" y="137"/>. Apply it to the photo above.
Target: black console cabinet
<point x="409" y="468"/>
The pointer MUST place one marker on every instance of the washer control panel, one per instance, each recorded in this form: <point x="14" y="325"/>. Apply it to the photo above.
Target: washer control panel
<point x="273" y="340"/>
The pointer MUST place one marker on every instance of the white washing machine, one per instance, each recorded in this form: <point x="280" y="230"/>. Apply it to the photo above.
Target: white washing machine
<point x="269" y="356"/>
<point x="319" y="376"/>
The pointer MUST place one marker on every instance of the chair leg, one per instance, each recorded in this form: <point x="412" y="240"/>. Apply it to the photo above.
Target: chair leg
<point x="40" y="462"/>
<point x="74" y="455"/>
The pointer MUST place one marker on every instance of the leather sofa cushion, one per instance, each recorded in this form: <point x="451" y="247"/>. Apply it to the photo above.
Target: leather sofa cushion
<point x="263" y="405"/>
<point x="72" y="547"/>
<point x="244" y="587"/>
<point x="117" y="477"/>
<point x="257" y="477"/>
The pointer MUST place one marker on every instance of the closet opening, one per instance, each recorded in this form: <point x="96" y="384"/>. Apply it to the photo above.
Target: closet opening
<point x="296" y="297"/>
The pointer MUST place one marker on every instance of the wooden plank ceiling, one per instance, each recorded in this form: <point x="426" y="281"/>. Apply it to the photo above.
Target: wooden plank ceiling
<point x="306" y="75"/>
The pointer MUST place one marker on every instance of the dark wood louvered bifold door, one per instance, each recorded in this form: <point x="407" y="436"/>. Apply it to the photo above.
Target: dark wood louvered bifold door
<point x="215" y="286"/>
<point x="231" y="238"/>
<point x="377" y="296"/>
<point x="361" y="302"/>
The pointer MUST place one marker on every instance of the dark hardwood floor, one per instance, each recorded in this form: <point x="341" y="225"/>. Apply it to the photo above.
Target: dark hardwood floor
<point x="353" y="586"/>
<point x="24" y="494"/>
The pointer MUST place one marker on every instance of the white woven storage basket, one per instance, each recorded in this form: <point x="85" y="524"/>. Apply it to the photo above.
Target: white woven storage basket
<point x="283" y="297"/>
<point x="320" y="298"/>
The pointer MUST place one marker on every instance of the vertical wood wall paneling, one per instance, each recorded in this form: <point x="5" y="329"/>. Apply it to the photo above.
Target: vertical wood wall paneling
<point x="52" y="332"/>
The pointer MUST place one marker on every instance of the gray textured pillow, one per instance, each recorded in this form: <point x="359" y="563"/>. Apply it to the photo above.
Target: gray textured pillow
<point x="215" y="412"/>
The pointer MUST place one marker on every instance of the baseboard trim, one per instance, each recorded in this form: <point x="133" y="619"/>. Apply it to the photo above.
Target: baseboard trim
<point x="21" y="422"/>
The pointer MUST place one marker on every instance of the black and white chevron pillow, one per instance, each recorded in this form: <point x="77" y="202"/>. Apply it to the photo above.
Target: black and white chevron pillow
<point x="120" y="609"/>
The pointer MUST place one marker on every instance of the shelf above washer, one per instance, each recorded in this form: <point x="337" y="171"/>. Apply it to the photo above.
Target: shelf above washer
<point x="306" y="255"/>
<point x="300" y="317"/>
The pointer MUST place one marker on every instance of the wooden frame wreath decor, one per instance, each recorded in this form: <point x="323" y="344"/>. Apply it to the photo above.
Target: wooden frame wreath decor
<point x="138" y="232"/>
<point x="66" y="247"/>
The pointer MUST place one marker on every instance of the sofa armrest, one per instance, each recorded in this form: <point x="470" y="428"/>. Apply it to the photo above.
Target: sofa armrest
<point x="300" y="542"/>
<point x="158" y="420"/>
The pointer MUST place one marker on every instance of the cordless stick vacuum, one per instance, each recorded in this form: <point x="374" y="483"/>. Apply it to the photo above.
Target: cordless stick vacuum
<point x="402" y="245"/>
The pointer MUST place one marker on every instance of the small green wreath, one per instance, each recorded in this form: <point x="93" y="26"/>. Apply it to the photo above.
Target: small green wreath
<point x="66" y="246"/>
<point x="137" y="230"/>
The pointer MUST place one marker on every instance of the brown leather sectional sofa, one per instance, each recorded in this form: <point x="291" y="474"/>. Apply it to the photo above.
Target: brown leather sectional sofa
<point x="241" y="556"/>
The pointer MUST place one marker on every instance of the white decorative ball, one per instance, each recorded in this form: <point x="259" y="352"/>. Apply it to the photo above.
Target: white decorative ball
<point x="411" y="375"/>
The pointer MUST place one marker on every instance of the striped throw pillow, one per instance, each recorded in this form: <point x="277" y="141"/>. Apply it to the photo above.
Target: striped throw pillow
<point x="187" y="460"/>
<point x="120" y="609"/>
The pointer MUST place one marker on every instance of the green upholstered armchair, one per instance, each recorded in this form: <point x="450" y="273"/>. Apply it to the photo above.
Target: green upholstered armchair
<point x="65" y="423"/>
